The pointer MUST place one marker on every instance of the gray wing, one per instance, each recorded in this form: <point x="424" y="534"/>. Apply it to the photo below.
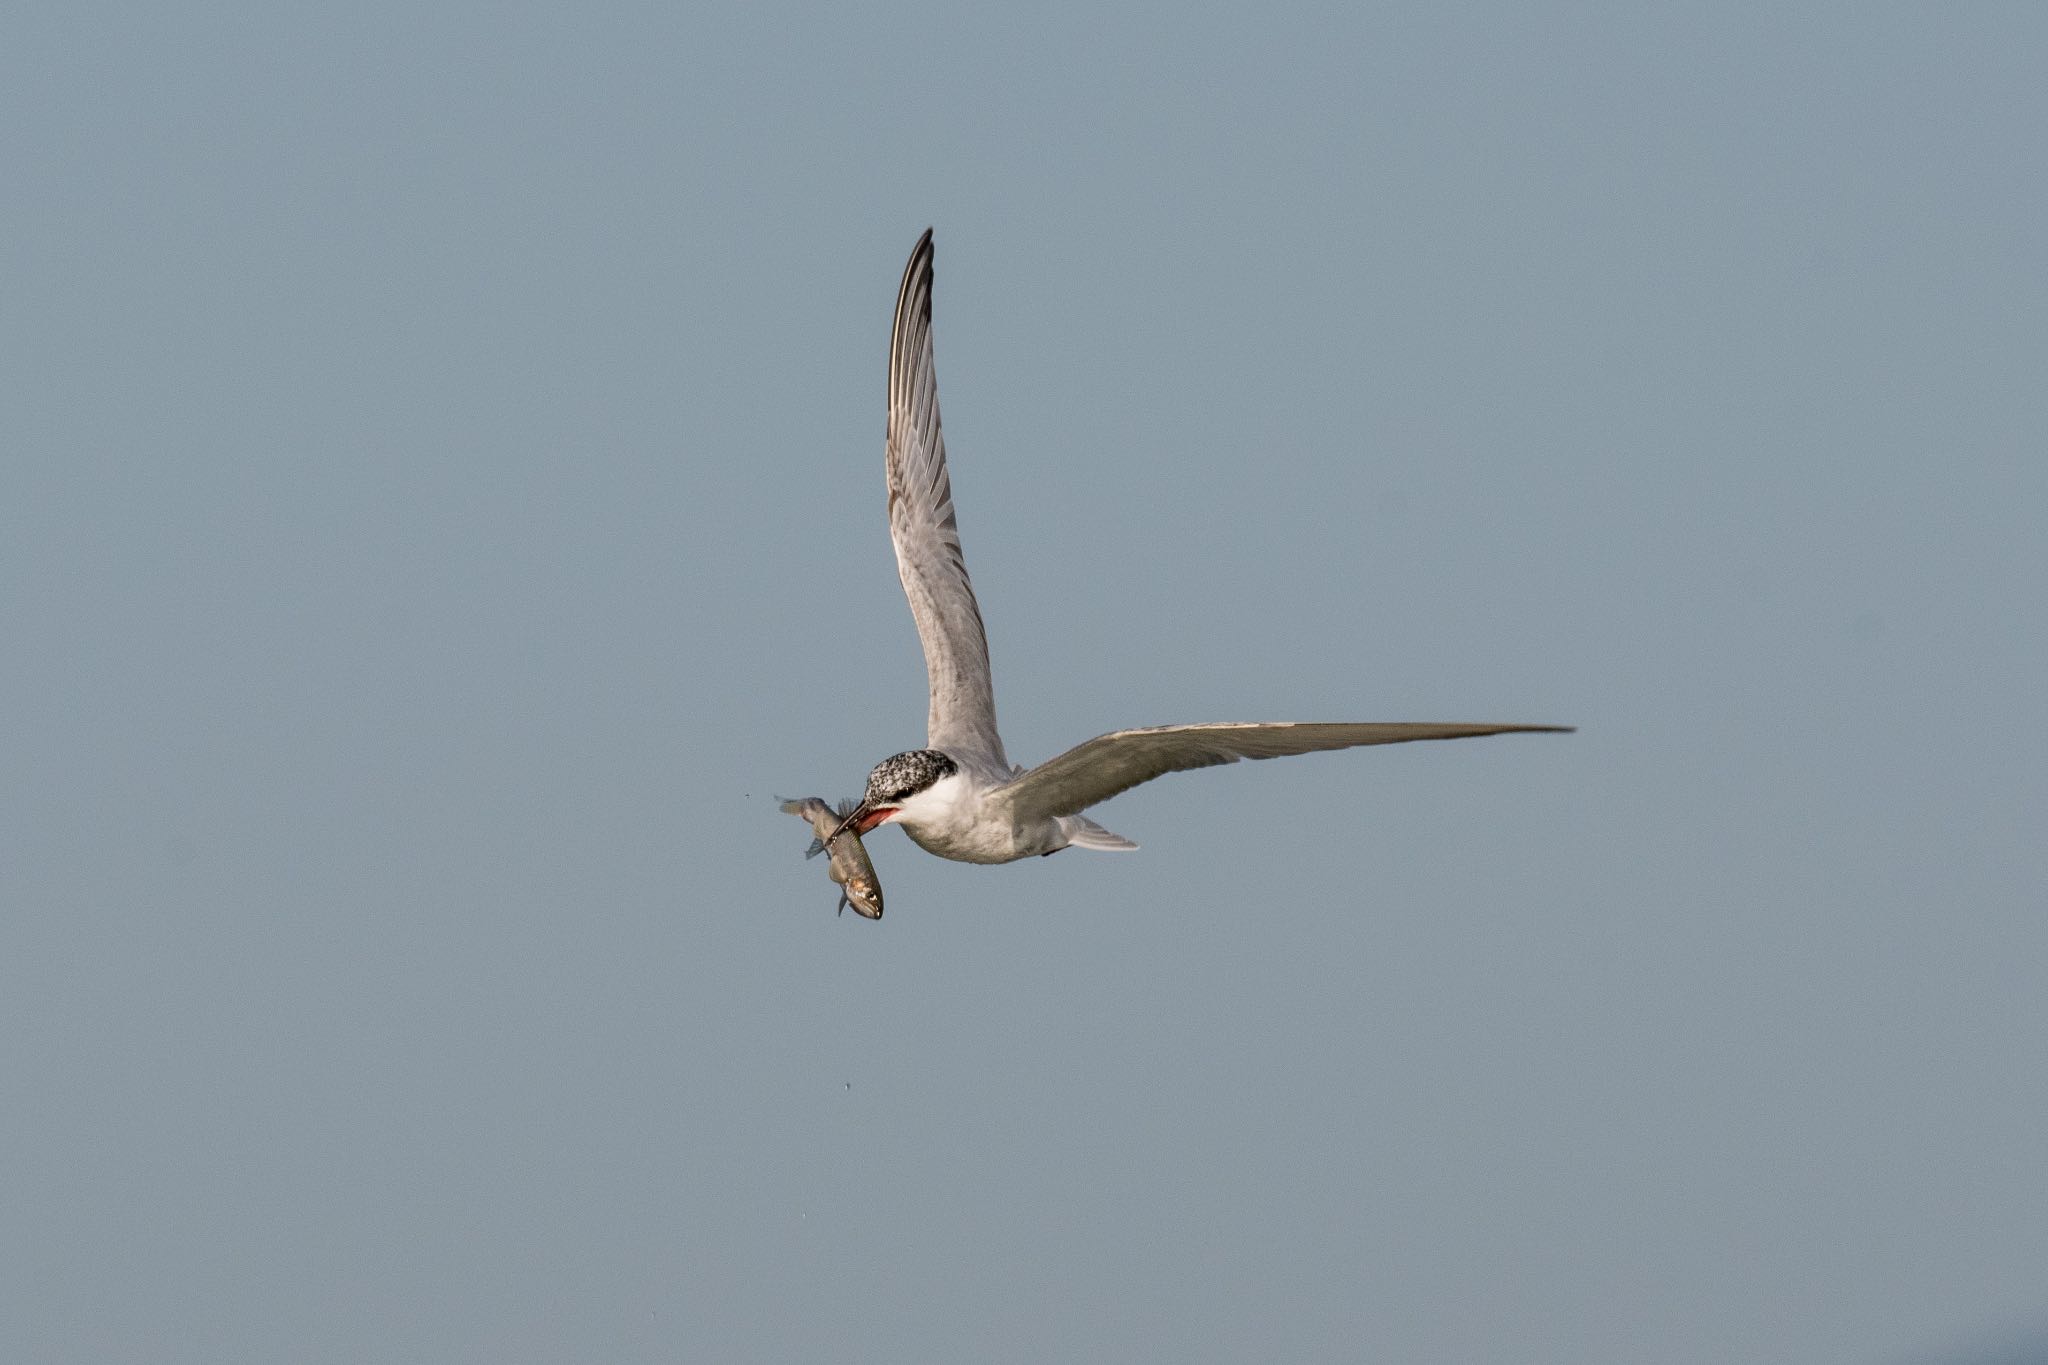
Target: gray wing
<point x="927" y="538"/>
<point x="1108" y="764"/>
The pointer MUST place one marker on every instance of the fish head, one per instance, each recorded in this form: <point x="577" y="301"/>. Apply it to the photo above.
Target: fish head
<point x="864" y="894"/>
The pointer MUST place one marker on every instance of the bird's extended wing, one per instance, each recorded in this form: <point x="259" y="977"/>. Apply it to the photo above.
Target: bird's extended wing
<point x="927" y="538"/>
<point x="1115" y="762"/>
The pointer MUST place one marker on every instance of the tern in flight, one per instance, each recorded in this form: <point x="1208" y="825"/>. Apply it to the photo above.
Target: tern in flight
<point x="959" y="797"/>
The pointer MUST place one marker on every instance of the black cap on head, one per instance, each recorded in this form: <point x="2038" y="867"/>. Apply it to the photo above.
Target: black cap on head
<point x="901" y="776"/>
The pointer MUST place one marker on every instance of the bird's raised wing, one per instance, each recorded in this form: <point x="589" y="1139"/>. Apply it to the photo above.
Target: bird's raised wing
<point x="1115" y="762"/>
<point x="927" y="538"/>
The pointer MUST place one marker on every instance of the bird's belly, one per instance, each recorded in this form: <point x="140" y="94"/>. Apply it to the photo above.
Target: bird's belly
<point x="983" y="841"/>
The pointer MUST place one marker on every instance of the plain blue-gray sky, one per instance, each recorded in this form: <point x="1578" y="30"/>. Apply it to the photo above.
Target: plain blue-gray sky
<point x="442" y="508"/>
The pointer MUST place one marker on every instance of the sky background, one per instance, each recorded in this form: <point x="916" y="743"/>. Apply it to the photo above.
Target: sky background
<point x="441" y="509"/>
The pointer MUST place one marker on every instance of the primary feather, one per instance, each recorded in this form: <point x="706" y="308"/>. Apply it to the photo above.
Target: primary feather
<point x="1096" y="770"/>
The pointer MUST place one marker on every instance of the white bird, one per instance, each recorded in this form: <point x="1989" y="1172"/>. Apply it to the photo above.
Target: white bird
<point x="959" y="796"/>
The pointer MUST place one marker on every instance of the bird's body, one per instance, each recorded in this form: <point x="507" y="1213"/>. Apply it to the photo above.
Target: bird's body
<point x="959" y="797"/>
<point x="961" y="816"/>
<point x="949" y="818"/>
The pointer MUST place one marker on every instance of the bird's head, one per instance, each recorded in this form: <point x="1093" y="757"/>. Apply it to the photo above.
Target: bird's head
<point x="894" y="781"/>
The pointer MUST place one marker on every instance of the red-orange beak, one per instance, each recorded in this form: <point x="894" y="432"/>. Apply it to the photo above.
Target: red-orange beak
<point x="865" y="820"/>
<point x="861" y="819"/>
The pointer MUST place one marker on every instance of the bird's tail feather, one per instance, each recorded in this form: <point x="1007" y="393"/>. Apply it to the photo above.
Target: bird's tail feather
<point x="1085" y="833"/>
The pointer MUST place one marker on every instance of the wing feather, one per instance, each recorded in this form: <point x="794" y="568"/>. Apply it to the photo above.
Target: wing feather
<point x="927" y="535"/>
<point x="1094" y="771"/>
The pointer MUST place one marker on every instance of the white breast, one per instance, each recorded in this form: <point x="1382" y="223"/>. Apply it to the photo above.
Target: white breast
<point x="952" y="819"/>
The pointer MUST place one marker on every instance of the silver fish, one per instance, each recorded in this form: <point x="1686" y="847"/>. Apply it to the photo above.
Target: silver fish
<point x="850" y="869"/>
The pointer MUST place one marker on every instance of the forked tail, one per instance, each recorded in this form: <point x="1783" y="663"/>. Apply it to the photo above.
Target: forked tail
<point x="1085" y="833"/>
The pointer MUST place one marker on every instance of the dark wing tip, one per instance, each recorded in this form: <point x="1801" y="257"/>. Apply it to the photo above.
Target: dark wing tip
<point x="913" y="307"/>
<point x="920" y="263"/>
